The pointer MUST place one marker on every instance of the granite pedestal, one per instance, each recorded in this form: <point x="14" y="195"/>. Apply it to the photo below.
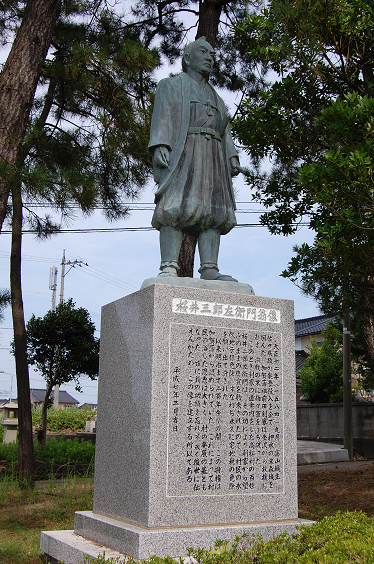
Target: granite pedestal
<point x="196" y="430"/>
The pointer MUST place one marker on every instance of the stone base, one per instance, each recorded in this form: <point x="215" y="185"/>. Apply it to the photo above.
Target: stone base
<point x="199" y="283"/>
<point x="190" y="366"/>
<point x="117" y="538"/>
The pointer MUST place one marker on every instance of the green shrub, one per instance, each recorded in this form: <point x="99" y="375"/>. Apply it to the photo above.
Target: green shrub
<point x="322" y="373"/>
<point x="66" y="450"/>
<point x="9" y="452"/>
<point x="61" y="419"/>
<point x="61" y="452"/>
<point x="339" y="539"/>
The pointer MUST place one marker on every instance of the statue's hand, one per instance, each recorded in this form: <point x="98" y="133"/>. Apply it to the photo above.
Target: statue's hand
<point x="235" y="166"/>
<point x="161" y="156"/>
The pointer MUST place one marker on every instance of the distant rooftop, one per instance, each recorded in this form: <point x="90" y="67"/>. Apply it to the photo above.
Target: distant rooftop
<point x="91" y="405"/>
<point x="300" y="358"/>
<point x="63" y="397"/>
<point x="312" y="325"/>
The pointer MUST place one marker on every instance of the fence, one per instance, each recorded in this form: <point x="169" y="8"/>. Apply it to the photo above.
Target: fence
<point x="324" y="422"/>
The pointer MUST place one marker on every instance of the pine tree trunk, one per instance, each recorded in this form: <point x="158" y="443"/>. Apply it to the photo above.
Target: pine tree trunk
<point x="187" y="256"/>
<point x="25" y="447"/>
<point x="209" y="16"/>
<point x="18" y="81"/>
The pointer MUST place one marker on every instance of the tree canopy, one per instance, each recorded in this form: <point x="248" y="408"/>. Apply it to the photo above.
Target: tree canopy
<point x="63" y="347"/>
<point x="80" y="141"/>
<point x="322" y="373"/>
<point x="86" y="138"/>
<point x="4" y="302"/>
<point x="312" y="127"/>
<point x="62" y="344"/>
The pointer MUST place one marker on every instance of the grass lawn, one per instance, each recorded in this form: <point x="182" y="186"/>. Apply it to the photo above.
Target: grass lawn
<point x="51" y="506"/>
<point x="23" y="514"/>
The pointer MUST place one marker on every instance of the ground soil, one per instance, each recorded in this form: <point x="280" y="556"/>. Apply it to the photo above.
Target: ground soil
<point x="327" y="488"/>
<point x="323" y="490"/>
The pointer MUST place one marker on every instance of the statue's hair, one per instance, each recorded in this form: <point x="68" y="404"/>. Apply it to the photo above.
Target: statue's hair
<point x="187" y="51"/>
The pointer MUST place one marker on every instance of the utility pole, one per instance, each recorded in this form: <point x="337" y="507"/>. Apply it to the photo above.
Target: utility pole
<point x="11" y="382"/>
<point x="347" y="385"/>
<point x="63" y="262"/>
<point x="72" y="264"/>
<point x="53" y="285"/>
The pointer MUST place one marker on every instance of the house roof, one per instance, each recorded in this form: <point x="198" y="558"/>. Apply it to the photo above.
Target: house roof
<point x="91" y="405"/>
<point x="312" y="325"/>
<point x="64" y="397"/>
<point x="300" y="358"/>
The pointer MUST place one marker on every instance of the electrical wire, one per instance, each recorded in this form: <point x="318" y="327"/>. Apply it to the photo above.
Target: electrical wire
<point x="124" y="229"/>
<point x="113" y="282"/>
<point x="94" y="272"/>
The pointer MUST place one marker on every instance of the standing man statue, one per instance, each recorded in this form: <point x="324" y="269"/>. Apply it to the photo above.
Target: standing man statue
<point x="194" y="159"/>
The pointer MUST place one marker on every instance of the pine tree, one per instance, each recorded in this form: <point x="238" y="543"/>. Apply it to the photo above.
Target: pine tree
<point x="81" y="141"/>
<point x="18" y="82"/>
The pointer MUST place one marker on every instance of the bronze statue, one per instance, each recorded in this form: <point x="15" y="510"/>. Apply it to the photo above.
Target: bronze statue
<point x="194" y="159"/>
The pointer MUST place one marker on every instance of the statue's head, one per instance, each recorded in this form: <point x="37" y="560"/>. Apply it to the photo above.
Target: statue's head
<point x="198" y="56"/>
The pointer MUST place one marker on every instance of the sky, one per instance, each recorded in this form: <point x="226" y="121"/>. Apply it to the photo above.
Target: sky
<point x="118" y="262"/>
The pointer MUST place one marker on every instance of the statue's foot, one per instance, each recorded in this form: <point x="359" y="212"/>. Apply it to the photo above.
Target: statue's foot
<point x="168" y="271"/>
<point x="214" y="274"/>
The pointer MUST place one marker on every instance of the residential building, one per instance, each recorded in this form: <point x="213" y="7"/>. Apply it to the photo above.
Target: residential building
<point x="65" y="399"/>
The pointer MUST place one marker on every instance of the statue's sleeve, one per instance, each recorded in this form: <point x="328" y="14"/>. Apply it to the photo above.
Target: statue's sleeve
<point x="162" y="117"/>
<point x="229" y="143"/>
<point x="230" y="148"/>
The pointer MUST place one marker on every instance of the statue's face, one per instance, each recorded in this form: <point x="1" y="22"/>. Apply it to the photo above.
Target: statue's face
<point x="200" y="58"/>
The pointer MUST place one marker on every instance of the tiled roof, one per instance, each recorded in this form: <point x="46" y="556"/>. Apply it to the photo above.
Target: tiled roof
<point x="300" y="358"/>
<point x="312" y="325"/>
<point x="91" y="405"/>
<point x="64" y="397"/>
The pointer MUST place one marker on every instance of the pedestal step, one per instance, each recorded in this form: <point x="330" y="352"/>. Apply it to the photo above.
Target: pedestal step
<point x="117" y="538"/>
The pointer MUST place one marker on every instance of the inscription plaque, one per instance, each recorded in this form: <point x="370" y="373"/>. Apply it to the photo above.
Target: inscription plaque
<point x="225" y="310"/>
<point x="225" y="411"/>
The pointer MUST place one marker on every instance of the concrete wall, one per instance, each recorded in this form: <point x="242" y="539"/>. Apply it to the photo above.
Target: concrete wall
<point x="324" y="422"/>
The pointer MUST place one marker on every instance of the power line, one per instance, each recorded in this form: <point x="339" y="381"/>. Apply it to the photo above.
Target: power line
<point x="129" y="204"/>
<point x="109" y="280"/>
<point x="4" y="254"/>
<point x="95" y="272"/>
<point x="91" y="230"/>
<point x="124" y="229"/>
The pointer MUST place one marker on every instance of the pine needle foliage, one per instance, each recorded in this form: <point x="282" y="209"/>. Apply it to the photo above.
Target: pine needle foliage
<point x="87" y="135"/>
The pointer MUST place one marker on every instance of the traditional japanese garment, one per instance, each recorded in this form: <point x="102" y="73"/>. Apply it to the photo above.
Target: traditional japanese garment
<point x="195" y="193"/>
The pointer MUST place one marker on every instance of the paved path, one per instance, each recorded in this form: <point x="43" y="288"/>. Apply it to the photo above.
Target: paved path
<point x="312" y="452"/>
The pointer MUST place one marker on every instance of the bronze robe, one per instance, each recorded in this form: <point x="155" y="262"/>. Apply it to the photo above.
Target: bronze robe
<point x="195" y="192"/>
